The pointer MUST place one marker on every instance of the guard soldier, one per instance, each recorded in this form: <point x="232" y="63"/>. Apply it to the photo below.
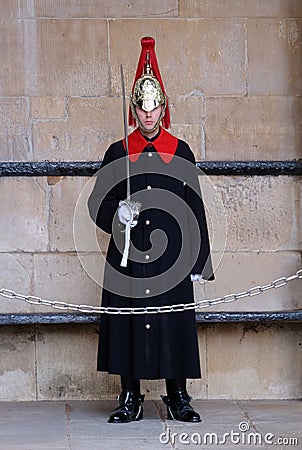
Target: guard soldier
<point x="148" y="184"/>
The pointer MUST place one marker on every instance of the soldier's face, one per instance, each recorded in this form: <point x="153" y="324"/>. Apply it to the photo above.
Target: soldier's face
<point x="149" y="119"/>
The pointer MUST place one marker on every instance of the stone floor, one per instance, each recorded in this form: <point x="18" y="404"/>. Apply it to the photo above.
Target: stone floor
<point x="82" y="425"/>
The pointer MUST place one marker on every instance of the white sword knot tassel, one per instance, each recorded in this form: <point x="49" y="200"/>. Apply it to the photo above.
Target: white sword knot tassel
<point x="128" y="214"/>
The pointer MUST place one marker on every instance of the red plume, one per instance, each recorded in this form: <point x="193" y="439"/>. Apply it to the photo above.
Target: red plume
<point x="148" y="59"/>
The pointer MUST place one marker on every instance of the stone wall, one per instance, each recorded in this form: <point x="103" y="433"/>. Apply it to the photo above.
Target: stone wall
<point x="232" y="70"/>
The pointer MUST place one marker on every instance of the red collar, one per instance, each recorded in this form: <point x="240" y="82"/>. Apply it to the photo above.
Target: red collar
<point x="165" y="145"/>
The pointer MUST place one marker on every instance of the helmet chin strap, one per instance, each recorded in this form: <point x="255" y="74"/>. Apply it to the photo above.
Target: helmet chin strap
<point x="141" y="126"/>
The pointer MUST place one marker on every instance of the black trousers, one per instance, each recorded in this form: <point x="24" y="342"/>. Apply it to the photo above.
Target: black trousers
<point x="173" y="385"/>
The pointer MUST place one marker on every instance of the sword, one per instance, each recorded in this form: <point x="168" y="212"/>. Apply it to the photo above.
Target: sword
<point x="126" y="134"/>
<point x="130" y="223"/>
<point x="134" y="207"/>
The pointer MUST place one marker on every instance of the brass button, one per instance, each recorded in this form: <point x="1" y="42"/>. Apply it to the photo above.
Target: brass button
<point x="147" y="222"/>
<point x="147" y="257"/>
<point x="148" y="326"/>
<point x="147" y="291"/>
<point x="149" y="187"/>
<point x="149" y="154"/>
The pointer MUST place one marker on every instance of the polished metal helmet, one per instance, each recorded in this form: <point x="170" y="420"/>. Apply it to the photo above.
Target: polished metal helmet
<point x="147" y="93"/>
<point x="148" y="90"/>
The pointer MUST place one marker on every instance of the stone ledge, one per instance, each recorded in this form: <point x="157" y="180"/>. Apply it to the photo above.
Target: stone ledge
<point x="206" y="317"/>
<point x="85" y="168"/>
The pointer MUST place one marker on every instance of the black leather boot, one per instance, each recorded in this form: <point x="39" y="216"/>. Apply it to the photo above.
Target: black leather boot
<point x="178" y="402"/>
<point x="130" y="402"/>
<point x="130" y="408"/>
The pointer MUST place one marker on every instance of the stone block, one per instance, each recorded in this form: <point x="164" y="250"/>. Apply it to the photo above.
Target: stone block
<point x="16" y="273"/>
<point x="70" y="226"/>
<point x="15" y="132"/>
<point x="48" y="107"/>
<point x="54" y="57"/>
<point x="62" y="277"/>
<point x="260" y="212"/>
<point x="254" y="361"/>
<point x="273" y="416"/>
<point x="34" y="425"/>
<point x="239" y="8"/>
<point x="73" y="57"/>
<point x="17" y="365"/>
<point x="253" y="128"/>
<point x="66" y="362"/>
<point x="297" y="219"/>
<point x="187" y="119"/>
<point x="15" y="9"/>
<point x="84" y="135"/>
<point x="193" y="55"/>
<point x="187" y="109"/>
<point x="13" y="69"/>
<point x="193" y="135"/>
<point x="274" y="56"/>
<point x="240" y="271"/>
<point x="23" y="222"/>
<point x="107" y="8"/>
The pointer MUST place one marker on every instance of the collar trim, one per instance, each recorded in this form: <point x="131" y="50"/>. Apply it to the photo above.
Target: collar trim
<point x="165" y="144"/>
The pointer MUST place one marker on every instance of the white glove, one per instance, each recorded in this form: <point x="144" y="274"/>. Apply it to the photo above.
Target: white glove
<point x="124" y="213"/>
<point x="128" y="211"/>
<point x="195" y="277"/>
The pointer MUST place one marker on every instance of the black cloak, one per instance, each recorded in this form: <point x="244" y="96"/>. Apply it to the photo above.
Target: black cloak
<point x="169" y="242"/>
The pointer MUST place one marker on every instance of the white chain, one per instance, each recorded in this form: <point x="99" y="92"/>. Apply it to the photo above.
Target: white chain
<point x="256" y="290"/>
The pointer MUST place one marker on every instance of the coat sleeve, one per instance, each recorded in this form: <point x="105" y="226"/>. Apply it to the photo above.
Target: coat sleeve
<point x="203" y="264"/>
<point x="103" y="201"/>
